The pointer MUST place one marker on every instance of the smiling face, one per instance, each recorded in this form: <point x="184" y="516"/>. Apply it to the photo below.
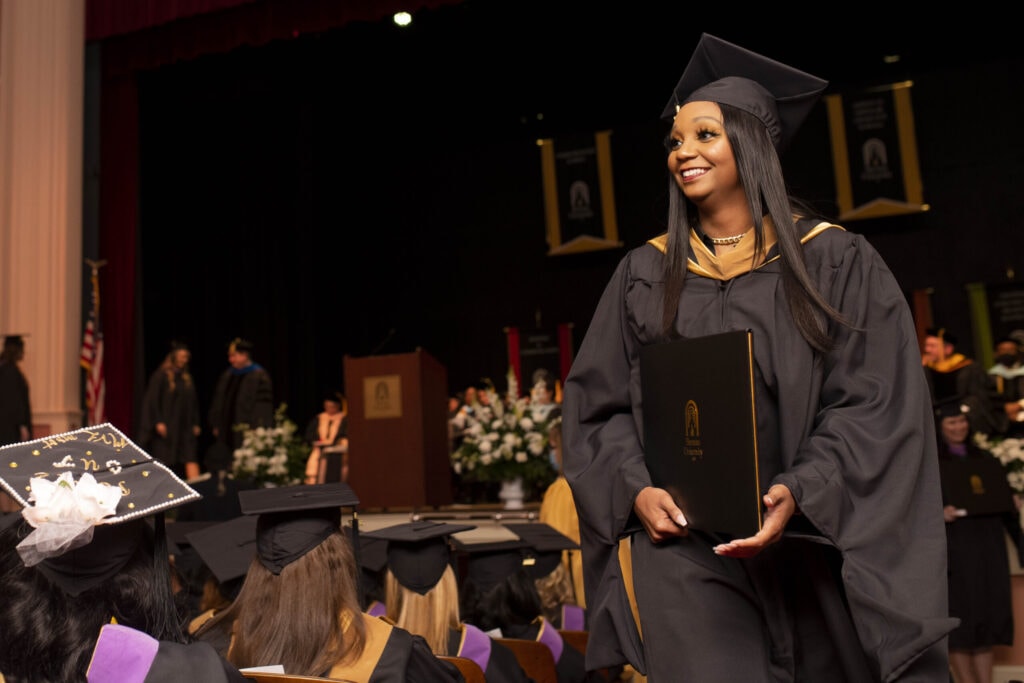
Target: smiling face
<point x="954" y="429"/>
<point x="700" y="157"/>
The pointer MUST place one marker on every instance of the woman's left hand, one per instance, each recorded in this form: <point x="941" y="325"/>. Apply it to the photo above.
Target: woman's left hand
<point x="780" y="507"/>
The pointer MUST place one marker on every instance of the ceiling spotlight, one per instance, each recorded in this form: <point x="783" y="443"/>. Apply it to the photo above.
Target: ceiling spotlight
<point x="402" y="18"/>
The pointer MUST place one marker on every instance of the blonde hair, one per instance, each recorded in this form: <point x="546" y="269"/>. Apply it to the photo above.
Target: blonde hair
<point x="555" y="590"/>
<point x="431" y="615"/>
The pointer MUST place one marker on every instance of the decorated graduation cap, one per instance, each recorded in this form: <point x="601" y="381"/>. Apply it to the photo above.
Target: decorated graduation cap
<point x="719" y="71"/>
<point x="546" y="546"/>
<point x="226" y="548"/>
<point x="418" y="552"/>
<point x="492" y="556"/>
<point x="86" y="493"/>
<point x="294" y="519"/>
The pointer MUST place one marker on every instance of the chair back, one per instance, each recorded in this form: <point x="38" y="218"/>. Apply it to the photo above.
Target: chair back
<point x="535" y="658"/>
<point x="577" y="640"/>
<point x="469" y="669"/>
<point x="264" y="677"/>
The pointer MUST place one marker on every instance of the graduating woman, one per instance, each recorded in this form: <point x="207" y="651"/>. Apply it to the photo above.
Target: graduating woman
<point x="845" y="581"/>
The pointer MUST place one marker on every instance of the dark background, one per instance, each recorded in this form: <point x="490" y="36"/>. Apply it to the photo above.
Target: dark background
<point x="376" y="190"/>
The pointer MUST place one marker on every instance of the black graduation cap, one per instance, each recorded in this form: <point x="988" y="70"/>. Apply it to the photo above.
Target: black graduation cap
<point x="942" y="333"/>
<point x="418" y="552"/>
<point x="719" y="71"/>
<point x="241" y="345"/>
<point x="490" y="563"/>
<point x="951" y="407"/>
<point x="294" y="519"/>
<point x="87" y="493"/>
<point x="227" y="548"/>
<point x="546" y="546"/>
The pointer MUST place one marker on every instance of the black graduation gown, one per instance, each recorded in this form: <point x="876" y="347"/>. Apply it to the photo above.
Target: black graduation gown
<point x="15" y="410"/>
<point x="849" y="432"/>
<point x="501" y="665"/>
<point x="178" y="408"/>
<point x="979" y="575"/>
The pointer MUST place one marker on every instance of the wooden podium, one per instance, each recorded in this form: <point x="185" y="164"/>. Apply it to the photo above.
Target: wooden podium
<point x="398" y="430"/>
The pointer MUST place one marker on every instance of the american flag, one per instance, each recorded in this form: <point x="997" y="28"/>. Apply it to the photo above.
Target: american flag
<point x="91" y="358"/>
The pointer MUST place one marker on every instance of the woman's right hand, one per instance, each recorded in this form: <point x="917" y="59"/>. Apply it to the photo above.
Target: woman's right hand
<point x="659" y="514"/>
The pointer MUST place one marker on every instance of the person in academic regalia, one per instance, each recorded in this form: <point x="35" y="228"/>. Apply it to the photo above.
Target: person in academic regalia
<point x="15" y="408"/>
<point x="422" y="596"/>
<point x="846" y="441"/>
<point x="299" y="605"/>
<point x="327" y="432"/>
<point x="84" y="568"/>
<point x="243" y="396"/>
<point x="979" y="565"/>
<point x="951" y="373"/>
<point x="169" y="426"/>
<point x="498" y="596"/>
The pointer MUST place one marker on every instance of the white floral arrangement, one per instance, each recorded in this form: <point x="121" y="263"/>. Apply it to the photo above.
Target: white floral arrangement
<point x="64" y="514"/>
<point x="501" y="442"/>
<point x="1010" y="453"/>
<point x="274" y="456"/>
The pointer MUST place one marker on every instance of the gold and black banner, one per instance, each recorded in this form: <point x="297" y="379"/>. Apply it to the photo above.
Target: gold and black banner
<point x="874" y="151"/>
<point x="579" y="195"/>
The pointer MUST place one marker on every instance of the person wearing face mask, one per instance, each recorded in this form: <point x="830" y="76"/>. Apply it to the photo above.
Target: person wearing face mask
<point x="1007" y="382"/>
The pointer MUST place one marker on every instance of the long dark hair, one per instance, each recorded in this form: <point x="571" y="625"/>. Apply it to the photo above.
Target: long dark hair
<point x="49" y="636"/>
<point x="760" y="173"/>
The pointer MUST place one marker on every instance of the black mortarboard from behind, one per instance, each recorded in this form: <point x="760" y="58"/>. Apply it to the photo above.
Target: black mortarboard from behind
<point x="488" y="563"/>
<point x="87" y="493"/>
<point x="719" y="71"/>
<point x="418" y="552"/>
<point x="951" y="407"/>
<point x="295" y="519"/>
<point x="227" y="548"/>
<point x="546" y="546"/>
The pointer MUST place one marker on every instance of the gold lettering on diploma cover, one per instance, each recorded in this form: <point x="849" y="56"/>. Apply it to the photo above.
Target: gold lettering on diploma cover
<point x="977" y="485"/>
<point x="691" y="444"/>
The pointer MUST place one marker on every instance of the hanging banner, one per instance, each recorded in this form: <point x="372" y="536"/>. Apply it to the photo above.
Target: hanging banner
<point x="579" y="196"/>
<point x="874" y="152"/>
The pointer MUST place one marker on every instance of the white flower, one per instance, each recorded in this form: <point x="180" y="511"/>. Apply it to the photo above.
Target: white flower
<point x="61" y="500"/>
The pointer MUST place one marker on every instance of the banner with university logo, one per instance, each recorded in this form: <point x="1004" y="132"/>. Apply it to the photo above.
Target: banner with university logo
<point x="579" y="195"/>
<point x="874" y="152"/>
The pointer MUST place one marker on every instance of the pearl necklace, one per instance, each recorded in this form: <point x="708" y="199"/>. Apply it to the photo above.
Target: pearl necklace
<point x="727" y="240"/>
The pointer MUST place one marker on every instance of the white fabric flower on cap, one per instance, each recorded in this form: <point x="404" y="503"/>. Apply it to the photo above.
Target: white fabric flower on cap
<point x="64" y="514"/>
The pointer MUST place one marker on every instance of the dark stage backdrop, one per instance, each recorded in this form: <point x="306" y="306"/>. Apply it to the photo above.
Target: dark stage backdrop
<point x="367" y="191"/>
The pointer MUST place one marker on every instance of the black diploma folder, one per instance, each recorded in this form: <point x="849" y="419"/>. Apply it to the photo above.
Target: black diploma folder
<point x="700" y="429"/>
<point x="976" y="485"/>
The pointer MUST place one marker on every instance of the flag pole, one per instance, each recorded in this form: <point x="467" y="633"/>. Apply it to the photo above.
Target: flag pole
<point x="91" y="358"/>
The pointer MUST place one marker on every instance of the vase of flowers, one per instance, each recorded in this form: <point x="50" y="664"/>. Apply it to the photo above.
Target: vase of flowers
<point x="506" y="441"/>
<point x="271" y="456"/>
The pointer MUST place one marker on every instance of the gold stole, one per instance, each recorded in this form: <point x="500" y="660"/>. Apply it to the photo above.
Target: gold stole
<point x="377" y="633"/>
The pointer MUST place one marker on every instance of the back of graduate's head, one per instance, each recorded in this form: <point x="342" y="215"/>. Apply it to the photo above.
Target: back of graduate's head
<point x="422" y="593"/>
<point x="86" y="549"/>
<point x="300" y="591"/>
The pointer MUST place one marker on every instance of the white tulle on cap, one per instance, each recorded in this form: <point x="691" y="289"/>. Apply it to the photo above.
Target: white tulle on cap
<point x="64" y="514"/>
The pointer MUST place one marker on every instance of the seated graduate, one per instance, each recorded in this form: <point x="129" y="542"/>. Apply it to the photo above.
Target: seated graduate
<point x="84" y="567"/>
<point x="372" y="560"/>
<point x="422" y="596"/>
<point x="544" y="563"/>
<point x="299" y="605"/>
<point x="226" y="549"/>
<point x="499" y="597"/>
